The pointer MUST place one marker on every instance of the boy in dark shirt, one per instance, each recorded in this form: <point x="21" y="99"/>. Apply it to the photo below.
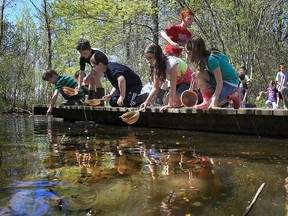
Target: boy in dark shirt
<point x="126" y="83"/>
<point x="52" y="76"/>
<point x="86" y="51"/>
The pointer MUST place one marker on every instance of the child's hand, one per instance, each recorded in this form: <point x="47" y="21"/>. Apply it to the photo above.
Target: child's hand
<point x="144" y="105"/>
<point x="120" y="101"/>
<point x="165" y="107"/>
<point x="49" y="111"/>
<point x="176" y="45"/>
<point x="107" y="96"/>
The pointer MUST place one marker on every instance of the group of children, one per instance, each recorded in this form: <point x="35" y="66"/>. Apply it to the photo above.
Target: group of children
<point x="277" y="90"/>
<point x="215" y="78"/>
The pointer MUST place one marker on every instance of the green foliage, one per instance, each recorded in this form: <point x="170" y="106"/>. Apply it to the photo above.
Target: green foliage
<point x="251" y="33"/>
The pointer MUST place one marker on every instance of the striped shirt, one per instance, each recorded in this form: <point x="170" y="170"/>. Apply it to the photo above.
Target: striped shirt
<point x="67" y="81"/>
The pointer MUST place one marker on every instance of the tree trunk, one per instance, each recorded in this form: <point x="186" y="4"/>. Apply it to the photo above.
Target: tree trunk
<point x="155" y="21"/>
<point x="49" y="34"/>
<point x="2" y="22"/>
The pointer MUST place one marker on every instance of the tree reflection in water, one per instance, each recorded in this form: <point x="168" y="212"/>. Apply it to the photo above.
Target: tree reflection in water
<point x="87" y="169"/>
<point x="183" y="180"/>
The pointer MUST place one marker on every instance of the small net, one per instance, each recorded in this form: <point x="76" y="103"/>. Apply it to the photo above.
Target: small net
<point x="189" y="98"/>
<point x="130" y="117"/>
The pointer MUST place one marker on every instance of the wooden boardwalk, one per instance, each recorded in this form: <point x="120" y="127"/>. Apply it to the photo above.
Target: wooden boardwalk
<point x="250" y="121"/>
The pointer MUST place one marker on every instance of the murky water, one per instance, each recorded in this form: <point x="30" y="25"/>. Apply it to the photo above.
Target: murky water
<point x="51" y="167"/>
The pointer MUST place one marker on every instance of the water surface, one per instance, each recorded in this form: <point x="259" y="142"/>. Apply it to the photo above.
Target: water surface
<point x="51" y="167"/>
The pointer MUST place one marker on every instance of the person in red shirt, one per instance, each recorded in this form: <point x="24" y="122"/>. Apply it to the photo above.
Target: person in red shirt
<point x="177" y="35"/>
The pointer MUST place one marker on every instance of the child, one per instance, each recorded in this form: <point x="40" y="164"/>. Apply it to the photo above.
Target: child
<point x="177" y="35"/>
<point x="282" y="83"/>
<point x="243" y="70"/>
<point x="214" y="72"/>
<point x="273" y="95"/>
<point x="126" y="83"/>
<point x="243" y="87"/>
<point x="247" y="80"/>
<point x="167" y="67"/>
<point x="84" y="48"/>
<point x="52" y="76"/>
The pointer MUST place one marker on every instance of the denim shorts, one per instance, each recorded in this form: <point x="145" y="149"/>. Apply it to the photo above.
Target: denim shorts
<point x="272" y="104"/>
<point x="180" y="88"/>
<point x="226" y="91"/>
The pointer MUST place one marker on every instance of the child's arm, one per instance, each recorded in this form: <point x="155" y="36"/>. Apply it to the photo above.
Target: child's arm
<point x="122" y="89"/>
<point x="110" y="94"/>
<point x="219" y="85"/>
<point x="245" y="95"/>
<point x="188" y="56"/>
<point x="53" y="101"/>
<point x="277" y="95"/>
<point x="164" y="35"/>
<point x="80" y="79"/>
<point x="152" y="94"/>
<point x="277" y="83"/>
<point x="263" y="93"/>
<point x="88" y="79"/>
<point x="173" y="83"/>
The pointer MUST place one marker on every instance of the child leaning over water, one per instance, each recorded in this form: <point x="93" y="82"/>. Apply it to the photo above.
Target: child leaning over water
<point x="273" y="95"/>
<point x="214" y="72"/>
<point x="52" y="77"/>
<point x="126" y="82"/>
<point x="171" y="68"/>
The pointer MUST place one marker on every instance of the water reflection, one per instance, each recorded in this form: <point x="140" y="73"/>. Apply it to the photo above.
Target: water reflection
<point x="178" y="177"/>
<point x="88" y="169"/>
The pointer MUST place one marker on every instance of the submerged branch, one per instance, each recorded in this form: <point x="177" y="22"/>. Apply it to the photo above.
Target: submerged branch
<point x="254" y="199"/>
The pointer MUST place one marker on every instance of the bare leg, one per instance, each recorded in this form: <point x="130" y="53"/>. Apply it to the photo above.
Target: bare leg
<point x="177" y="101"/>
<point x="97" y="79"/>
<point x="202" y="79"/>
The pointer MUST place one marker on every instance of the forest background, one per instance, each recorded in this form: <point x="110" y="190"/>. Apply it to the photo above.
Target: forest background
<point x="253" y="33"/>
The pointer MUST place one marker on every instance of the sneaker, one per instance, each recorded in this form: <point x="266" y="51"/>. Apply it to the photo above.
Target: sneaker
<point x="235" y="98"/>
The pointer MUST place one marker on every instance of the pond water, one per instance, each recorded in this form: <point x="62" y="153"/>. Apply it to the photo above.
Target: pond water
<point x="52" y="167"/>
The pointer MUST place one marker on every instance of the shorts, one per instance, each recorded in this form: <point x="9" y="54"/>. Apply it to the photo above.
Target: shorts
<point x="271" y="104"/>
<point x="180" y="88"/>
<point x="130" y="97"/>
<point x="226" y="91"/>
